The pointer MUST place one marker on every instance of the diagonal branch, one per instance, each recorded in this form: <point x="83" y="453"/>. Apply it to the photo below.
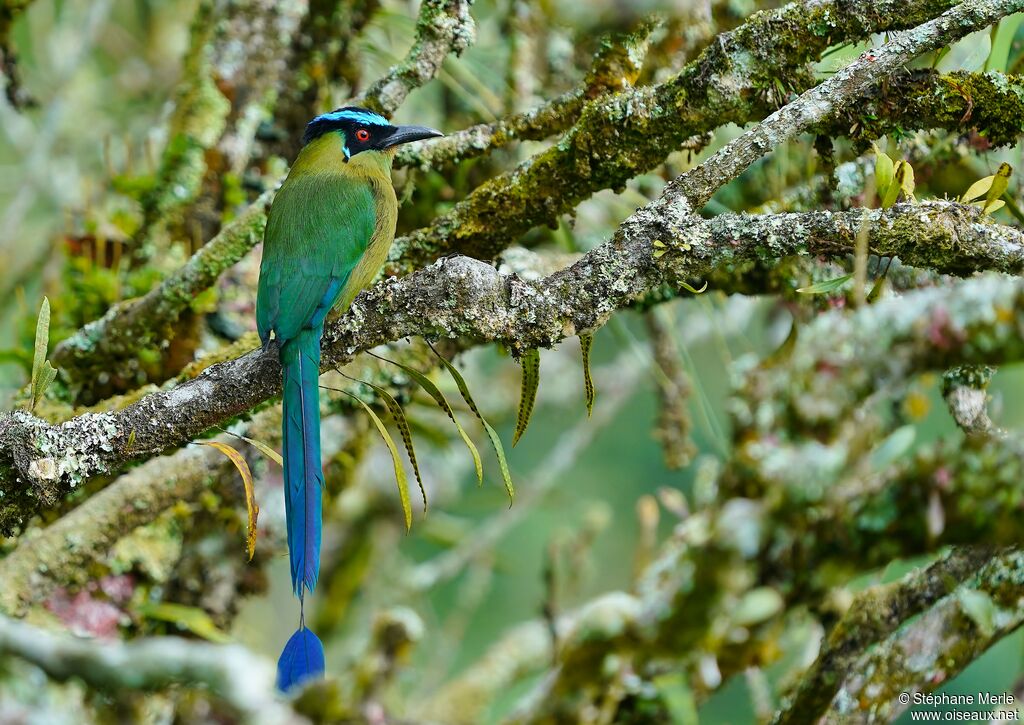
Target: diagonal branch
<point x="81" y="356"/>
<point x="615" y="67"/>
<point x="620" y="136"/>
<point x="462" y="297"/>
<point x="233" y="673"/>
<point x="443" y="27"/>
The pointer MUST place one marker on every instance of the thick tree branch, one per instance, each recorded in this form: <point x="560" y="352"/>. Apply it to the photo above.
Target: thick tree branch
<point x="465" y="298"/>
<point x="875" y="614"/>
<point x="936" y="647"/>
<point x="620" y="136"/>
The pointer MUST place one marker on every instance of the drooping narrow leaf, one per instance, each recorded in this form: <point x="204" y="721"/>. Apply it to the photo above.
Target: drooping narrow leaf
<point x="42" y="340"/>
<point x="999" y="185"/>
<point x="402" y="423"/>
<point x="530" y="363"/>
<point x="258" y="445"/>
<point x="442" y="402"/>
<point x="265" y="450"/>
<point x="42" y="372"/>
<point x="492" y="434"/>
<point x="250" y="494"/>
<point x="400" y="477"/>
<point x="829" y="285"/>
<point x="586" y="341"/>
<point x="193" y="619"/>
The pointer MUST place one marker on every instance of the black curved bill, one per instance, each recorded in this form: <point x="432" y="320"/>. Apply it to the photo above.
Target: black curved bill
<point x="405" y="134"/>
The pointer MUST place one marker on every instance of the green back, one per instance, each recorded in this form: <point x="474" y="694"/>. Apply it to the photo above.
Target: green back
<point x="318" y="229"/>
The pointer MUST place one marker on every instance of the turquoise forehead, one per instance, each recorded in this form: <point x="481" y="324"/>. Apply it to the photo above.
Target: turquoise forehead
<point x="365" y="117"/>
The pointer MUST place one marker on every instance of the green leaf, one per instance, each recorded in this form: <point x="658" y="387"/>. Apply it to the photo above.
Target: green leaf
<point x="530" y="363"/>
<point x="691" y="289"/>
<point x="905" y="178"/>
<point x="250" y="492"/>
<point x="884" y="172"/>
<point x="400" y="477"/>
<point x="978" y="188"/>
<point x="993" y="207"/>
<point x="402" y="423"/>
<point x="193" y="619"/>
<point x="892" y="192"/>
<point x="999" y="185"/>
<point x="499" y="451"/>
<point x="1003" y="35"/>
<point x="42" y="372"/>
<point x="442" y="402"/>
<point x="829" y="285"/>
<point x="893" y="447"/>
<point x="588" y="382"/>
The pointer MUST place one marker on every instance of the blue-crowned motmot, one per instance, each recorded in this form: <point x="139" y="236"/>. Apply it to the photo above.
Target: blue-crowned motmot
<point x="328" y="234"/>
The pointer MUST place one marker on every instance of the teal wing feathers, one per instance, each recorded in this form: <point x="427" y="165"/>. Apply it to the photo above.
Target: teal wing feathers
<point x="318" y="229"/>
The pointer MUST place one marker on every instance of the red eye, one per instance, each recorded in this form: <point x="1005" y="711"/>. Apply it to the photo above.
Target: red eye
<point x="362" y="135"/>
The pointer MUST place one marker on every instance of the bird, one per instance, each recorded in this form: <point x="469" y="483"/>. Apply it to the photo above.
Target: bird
<point x="328" y="233"/>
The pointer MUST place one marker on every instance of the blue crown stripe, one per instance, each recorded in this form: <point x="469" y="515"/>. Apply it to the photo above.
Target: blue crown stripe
<point x="370" y="119"/>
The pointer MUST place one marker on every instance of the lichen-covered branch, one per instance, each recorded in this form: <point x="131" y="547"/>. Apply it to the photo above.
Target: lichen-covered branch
<point x="44" y="559"/>
<point x="243" y="681"/>
<point x="463" y="297"/>
<point x="965" y="389"/>
<point x="443" y="27"/>
<point x="991" y="102"/>
<point x="622" y="135"/>
<point x="833" y="96"/>
<point x="875" y="614"/>
<point x="935" y="647"/>
<point x="616" y="66"/>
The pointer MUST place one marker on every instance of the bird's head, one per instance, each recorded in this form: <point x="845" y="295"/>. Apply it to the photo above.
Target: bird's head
<point x="361" y="131"/>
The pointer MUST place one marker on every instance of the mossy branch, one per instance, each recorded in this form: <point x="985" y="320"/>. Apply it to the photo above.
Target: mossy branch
<point x="241" y="680"/>
<point x="622" y="135"/>
<point x="616" y="66"/>
<point x="933" y="649"/>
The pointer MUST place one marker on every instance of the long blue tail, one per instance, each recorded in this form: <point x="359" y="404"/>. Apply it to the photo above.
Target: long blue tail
<point x="303" y="656"/>
<point x="303" y="475"/>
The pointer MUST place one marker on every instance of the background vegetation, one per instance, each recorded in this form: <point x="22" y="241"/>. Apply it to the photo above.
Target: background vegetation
<point x="797" y="494"/>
